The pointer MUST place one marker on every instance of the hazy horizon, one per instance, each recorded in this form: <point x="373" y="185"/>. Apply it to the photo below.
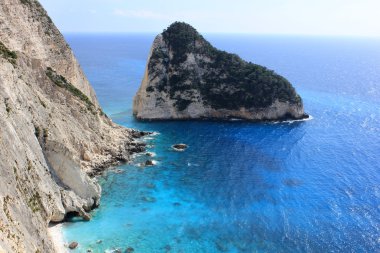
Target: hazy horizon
<point x="375" y="37"/>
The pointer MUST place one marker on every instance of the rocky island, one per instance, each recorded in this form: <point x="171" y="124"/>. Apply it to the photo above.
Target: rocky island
<point x="187" y="78"/>
<point x="54" y="137"/>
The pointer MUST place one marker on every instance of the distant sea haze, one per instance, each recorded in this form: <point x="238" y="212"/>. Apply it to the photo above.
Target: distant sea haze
<point x="245" y="187"/>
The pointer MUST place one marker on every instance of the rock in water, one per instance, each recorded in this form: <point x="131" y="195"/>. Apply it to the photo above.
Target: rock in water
<point x="130" y="250"/>
<point x="187" y="78"/>
<point x="73" y="245"/>
<point x="179" y="147"/>
<point x="149" y="163"/>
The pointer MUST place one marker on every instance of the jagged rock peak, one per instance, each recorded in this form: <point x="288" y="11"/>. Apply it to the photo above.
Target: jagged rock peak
<point x="187" y="78"/>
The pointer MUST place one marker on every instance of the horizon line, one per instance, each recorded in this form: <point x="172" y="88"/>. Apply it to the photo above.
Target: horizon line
<point x="227" y="33"/>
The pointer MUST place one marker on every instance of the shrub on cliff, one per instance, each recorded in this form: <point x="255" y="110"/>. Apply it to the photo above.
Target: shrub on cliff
<point x="61" y="81"/>
<point x="11" y="56"/>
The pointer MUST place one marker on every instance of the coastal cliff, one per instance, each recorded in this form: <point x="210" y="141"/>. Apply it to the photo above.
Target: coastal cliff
<point x="187" y="78"/>
<point x="54" y="137"/>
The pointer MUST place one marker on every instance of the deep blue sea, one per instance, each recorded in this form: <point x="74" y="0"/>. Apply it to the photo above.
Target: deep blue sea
<point x="309" y="186"/>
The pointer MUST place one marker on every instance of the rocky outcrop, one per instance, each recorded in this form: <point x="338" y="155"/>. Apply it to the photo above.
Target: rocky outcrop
<point x="53" y="135"/>
<point x="187" y="78"/>
<point x="179" y="147"/>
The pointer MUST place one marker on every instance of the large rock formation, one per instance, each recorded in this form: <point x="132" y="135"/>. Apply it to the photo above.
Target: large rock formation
<point x="53" y="134"/>
<point x="187" y="78"/>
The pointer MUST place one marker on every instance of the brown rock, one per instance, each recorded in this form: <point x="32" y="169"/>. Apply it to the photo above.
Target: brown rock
<point x="149" y="163"/>
<point x="180" y="147"/>
<point x="73" y="245"/>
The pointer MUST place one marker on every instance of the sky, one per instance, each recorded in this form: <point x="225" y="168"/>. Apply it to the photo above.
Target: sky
<point x="290" y="17"/>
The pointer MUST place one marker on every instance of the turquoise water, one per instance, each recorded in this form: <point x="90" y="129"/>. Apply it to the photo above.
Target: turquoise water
<point x="241" y="187"/>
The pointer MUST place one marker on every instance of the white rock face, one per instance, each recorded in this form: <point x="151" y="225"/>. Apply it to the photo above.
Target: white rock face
<point x="154" y="103"/>
<point x="49" y="139"/>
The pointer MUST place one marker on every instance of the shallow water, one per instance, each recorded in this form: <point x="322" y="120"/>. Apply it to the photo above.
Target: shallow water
<point x="245" y="187"/>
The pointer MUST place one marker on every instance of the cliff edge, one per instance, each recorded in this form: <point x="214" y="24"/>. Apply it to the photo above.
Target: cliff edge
<point x="187" y="78"/>
<point x="54" y="137"/>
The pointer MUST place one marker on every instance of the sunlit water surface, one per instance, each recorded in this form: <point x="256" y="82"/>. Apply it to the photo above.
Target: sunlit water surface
<point x="244" y="187"/>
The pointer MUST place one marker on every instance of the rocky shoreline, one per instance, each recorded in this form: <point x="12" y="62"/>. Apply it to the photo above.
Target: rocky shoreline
<point x="130" y="148"/>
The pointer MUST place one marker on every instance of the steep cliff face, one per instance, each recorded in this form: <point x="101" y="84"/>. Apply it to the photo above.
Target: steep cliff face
<point x="187" y="78"/>
<point x="53" y="134"/>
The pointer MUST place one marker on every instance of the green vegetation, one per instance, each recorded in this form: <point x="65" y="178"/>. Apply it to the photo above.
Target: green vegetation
<point x="37" y="131"/>
<point x="30" y="165"/>
<point x="6" y="202"/>
<point x="46" y="133"/>
<point x="42" y="102"/>
<point x="35" y="202"/>
<point x="182" y="104"/>
<point x="7" y="106"/>
<point x="11" y="56"/>
<point x="226" y="81"/>
<point x="61" y="82"/>
<point x="150" y="89"/>
<point x="26" y="2"/>
<point x="181" y="39"/>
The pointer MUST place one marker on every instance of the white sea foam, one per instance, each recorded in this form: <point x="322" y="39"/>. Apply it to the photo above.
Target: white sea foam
<point x="293" y="120"/>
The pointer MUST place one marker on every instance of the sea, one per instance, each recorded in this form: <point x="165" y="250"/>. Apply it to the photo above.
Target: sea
<point x="310" y="186"/>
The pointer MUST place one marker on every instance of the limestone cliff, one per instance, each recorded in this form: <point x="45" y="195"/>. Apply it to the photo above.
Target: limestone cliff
<point x="53" y="134"/>
<point x="187" y="78"/>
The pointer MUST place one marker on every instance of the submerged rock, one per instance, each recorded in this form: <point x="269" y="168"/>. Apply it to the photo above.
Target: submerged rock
<point x="149" y="199"/>
<point x="187" y="78"/>
<point x="221" y="246"/>
<point x="167" y="248"/>
<point x="129" y="250"/>
<point x="150" y="186"/>
<point x="292" y="182"/>
<point x="73" y="245"/>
